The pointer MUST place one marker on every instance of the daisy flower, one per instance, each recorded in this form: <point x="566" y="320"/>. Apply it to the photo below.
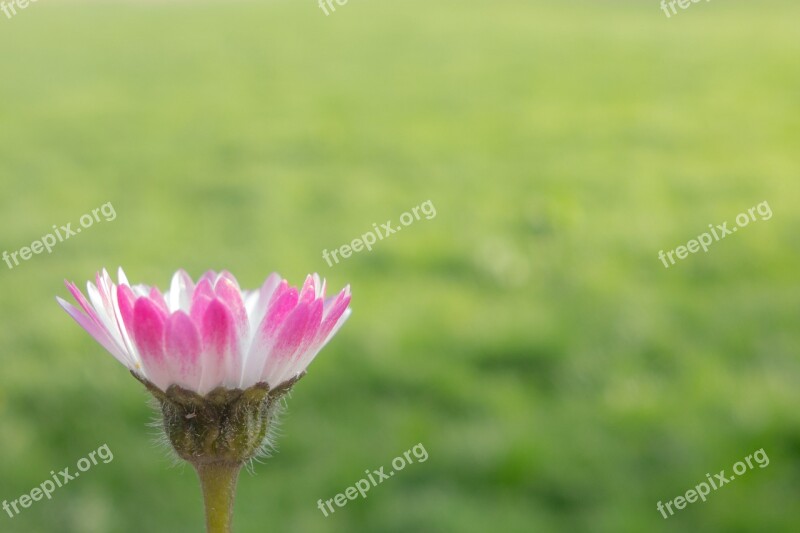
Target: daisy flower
<point x="210" y="334"/>
<point x="216" y="357"/>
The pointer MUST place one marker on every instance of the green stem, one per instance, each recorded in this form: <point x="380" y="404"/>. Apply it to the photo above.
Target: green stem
<point x="218" y="481"/>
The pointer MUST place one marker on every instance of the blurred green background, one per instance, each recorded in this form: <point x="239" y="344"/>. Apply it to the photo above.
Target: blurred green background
<point x="560" y="378"/>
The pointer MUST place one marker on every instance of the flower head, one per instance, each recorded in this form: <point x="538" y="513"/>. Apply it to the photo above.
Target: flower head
<point x="210" y="334"/>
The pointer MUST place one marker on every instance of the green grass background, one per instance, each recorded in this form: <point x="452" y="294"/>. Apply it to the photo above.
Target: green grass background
<point x="560" y="378"/>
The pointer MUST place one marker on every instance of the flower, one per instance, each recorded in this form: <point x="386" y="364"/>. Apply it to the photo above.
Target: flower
<point x="210" y="334"/>
<point x="218" y="360"/>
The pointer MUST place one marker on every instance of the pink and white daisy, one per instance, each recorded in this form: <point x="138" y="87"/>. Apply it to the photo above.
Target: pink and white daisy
<point x="210" y="334"/>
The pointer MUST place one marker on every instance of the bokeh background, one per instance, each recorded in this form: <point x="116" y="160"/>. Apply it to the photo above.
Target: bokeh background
<point x="560" y="378"/>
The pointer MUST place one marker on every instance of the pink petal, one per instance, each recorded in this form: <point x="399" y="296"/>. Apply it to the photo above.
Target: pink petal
<point x="257" y="303"/>
<point x="104" y="311"/>
<point x="202" y="296"/>
<point x="122" y="279"/>
<point x="100" y="279"/>
<point x="204" y="289"/>
<point x="148" y="333"/>
<point x="78" y="295"/>
<point x="180" y="291"/>
<point x="124" y="298"/>
<point x="228" y="276"/>
<point x="283" y="302"/>
<point x="97" y="332"/>
<point x="228" y="291"/>
<point x="286" y="342"/>
<point x="320" y="286"/>
<point x="183" y="348"/>
<point x="104" y="297"/>
<point x="220" y="359"/>
<point x="140" y="290"/>
<point x="99" y="317"/>
<point x="312" y="327"/>
<point x="334" y="311"/>
<point x="157" y="298"/>
<point x="299" y="360"/>
<point x="308" y="292"/>
<point x="209" y="276"/>
<point x="108" y="292"/>
<point x="126" y="301"/>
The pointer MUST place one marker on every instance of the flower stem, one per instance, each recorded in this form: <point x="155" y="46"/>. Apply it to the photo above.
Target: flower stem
<point x="218" y="481"/>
